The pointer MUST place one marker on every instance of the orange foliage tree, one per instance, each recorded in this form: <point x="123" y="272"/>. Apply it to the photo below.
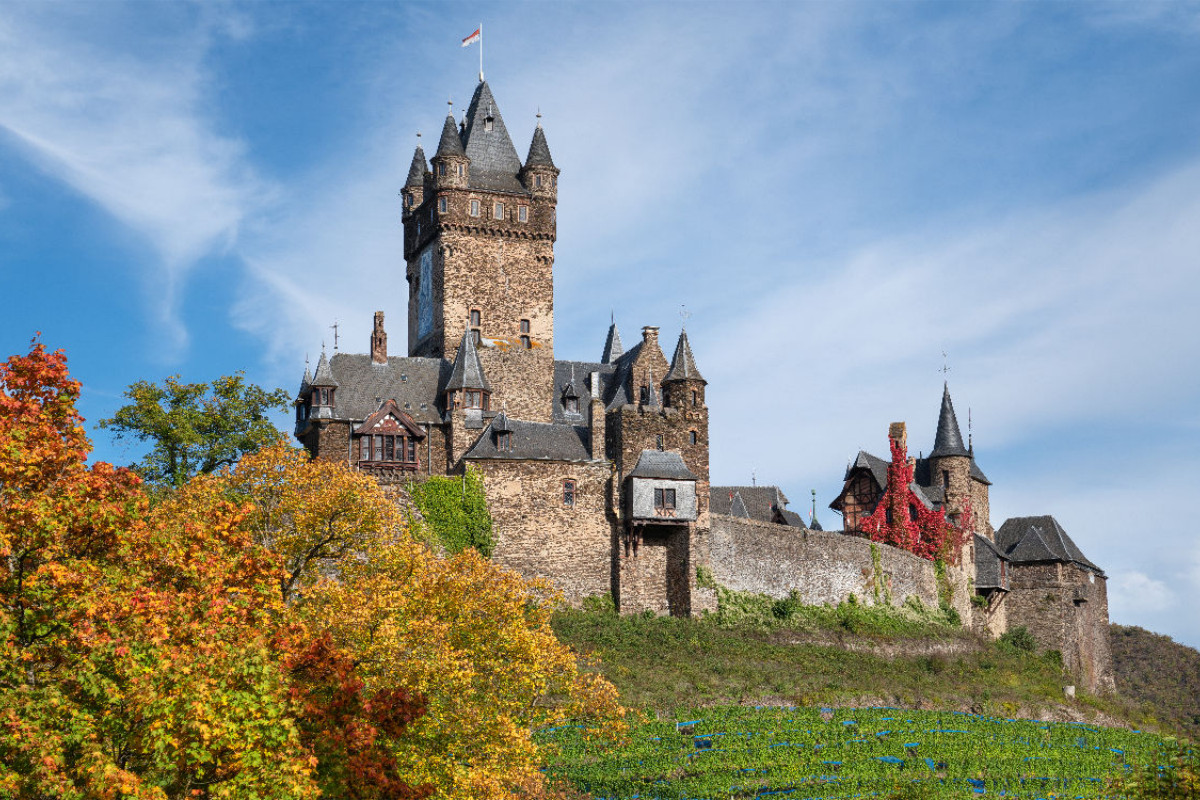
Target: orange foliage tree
<point x="147" y="651"/>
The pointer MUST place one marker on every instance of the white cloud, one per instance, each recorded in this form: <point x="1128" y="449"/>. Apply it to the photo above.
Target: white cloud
<point x="1137" y="594"/>
<point x="130" y="133"/>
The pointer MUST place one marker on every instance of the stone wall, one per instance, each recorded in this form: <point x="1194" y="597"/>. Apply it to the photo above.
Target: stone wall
<point x="821" y="567"/>
<point x="1065" y="607"/>
<point x="539" y="536"/>
<point x="522" y="381"/>
<point x="655" y="571"/>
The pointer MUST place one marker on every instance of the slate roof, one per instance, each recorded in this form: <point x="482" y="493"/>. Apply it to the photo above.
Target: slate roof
<point x="323" y="377"/>
<point x="948" y="441"/>
<point x="814" y="524"/>
<point x="450" y="144"/>
<point x="305" y="382"/>
<point x="467" y="372"/>
<point x="579" y="374"/>
<point x="793" y="519"/>
<point x="363" y="385"/>
<point x="874" y="464"/>
<point x="1025" y="540"/>
<point x="612" y="346"/>
<point x="664" y="464"/>
<point x="536" y="441"/>
<point x="759" y="501"/>
<point x="539" y="151"/>
<point x="977" y="473"/>
<point x="494" y="161"/>
<point x="737" y="507"/>
<point x="416" y="172"/>
<point x="620" y="385"/>
<point x="683" y="365"/>
<point x="987" y="565"/>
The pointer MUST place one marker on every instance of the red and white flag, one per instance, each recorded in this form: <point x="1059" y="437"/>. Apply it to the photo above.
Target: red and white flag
<point x="473" y="38"/>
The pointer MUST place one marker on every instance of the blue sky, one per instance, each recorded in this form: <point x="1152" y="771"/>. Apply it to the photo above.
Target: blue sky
<point x="838" y="192"/>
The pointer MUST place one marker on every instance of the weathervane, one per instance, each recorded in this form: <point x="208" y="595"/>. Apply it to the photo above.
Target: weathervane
<point x="945" y="364"/>
<point x="334" y="326"/>
<point x="684" y="315"/>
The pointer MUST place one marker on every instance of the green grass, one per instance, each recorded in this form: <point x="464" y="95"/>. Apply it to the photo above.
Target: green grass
<point x="723" y="752"/>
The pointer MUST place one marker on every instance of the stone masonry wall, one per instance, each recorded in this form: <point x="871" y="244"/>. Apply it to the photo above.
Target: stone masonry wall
<point x="522" y="381"/>
<point x="1065" y="607"/>
<point x="760" y="557"/>
<point x="540" y="537"/>
<point x="655" y="571"/>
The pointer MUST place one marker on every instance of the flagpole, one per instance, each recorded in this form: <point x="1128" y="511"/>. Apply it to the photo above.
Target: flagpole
<point x="481" y="52"/>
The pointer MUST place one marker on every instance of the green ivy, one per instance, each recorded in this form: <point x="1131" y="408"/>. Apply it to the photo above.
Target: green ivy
<point x="454" y="509"/>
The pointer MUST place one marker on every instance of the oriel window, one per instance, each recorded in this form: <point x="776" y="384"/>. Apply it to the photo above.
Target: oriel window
<point x="664" y="499"/>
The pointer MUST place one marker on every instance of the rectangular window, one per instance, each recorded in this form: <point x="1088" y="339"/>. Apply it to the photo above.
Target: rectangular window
<point x="658" y="441"/>
<point x="442" y="169"/>
<point x="472" y="398"/>
<point x="692" y="437"/>
<point x="389" y="448"/>
<point x="460" y="170"/>
<point x="412" y="451"/>
<point x="523" y="213"/>
<point x="664" y="499"/>
<point x="476" y="318"/>
<point x="537" y="181"/>
<point x="526" y="343"/>
<point x="504" y="441"/>
<point x="572" y="405"/>
<point x="474" y="208"/>
<point x="569" y="494"/>
<point x="695" y="397"/>
<point x="498" y="211"/>
<point x="443" y="204"/>
<point x="524" y="326"/>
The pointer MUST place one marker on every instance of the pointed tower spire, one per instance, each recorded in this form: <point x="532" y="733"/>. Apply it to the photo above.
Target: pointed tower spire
<point x="306" y="381"/>
<point x="450" y="145"/>
<point x="948" y="441"/>
<point x="418" y="168"/>
<point x="467" y="372"/>
<point x="495" y="165"/>
<point x="612" y="346"/>
<point x="324" y="376"/>
<point x="683" y="365"/>
<point x="539" y="151"/>
<point x="813" y="523"/>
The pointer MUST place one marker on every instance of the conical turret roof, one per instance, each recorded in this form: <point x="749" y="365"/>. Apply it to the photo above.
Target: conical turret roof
<point x="683" y="365"/>
<point x="949" y="441"/>
<point x="539" y="151"/>
<point x="324" y="376"/>
<point x="416" y="172"/>
<point x="494" y="161"/>
<point x="306" y="381"/>
<point x="467" y="372"/>
<point x="613" y="349"/>
<point x="449" y="144"/>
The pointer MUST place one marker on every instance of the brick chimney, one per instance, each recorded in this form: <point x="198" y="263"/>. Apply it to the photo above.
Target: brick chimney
<point x="379" y="340"/>
<point x="898" y="433"/>
<point x="650" y="335"/>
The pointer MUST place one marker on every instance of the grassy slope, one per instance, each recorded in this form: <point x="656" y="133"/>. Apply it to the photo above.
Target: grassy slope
<point x="1160" y="674"/>
<point x="827" y="657"/>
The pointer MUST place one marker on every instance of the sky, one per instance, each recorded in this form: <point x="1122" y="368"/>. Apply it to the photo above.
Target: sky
<point x="849" y="199"/>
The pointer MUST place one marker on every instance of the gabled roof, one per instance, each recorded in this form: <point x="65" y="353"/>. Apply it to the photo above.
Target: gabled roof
<point x="494" y="161"/>
<point x="1026" y="540"/>
<point x="539" y="151"/>
<point x="612" y="346"/>
<point x="873" y="464"/>
<point x="391" y="409"/>
<point x="579" y="375"/>
<point x="792" y="519"/>
<point x="664" y="464"/>
<point x="449" y="144"/>
<point x="416" y="172"/>
<point x="760" y="502"/>
<point x="324" y="376"/>
<point x="363" y="385"/>
<point x="467" y="372"/>
<point x="948" y="441"/>
<point x="683" y="365"/>
<point x="737" y="507"/>
<point x="532" y="441"/>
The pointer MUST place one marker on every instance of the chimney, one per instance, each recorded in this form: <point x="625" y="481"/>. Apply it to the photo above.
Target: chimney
<point x="898" y="433"/>
<point x="379" y="341"/>
<point x="597" y="420"/>
<point x="650" y="335"/>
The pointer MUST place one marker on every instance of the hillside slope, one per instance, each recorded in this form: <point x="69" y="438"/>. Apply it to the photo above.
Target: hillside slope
<point x="1160" y="674"/>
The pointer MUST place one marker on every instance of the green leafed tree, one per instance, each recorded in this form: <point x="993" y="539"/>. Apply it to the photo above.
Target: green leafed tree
<point x="196" y="428"/>
<point x="455" y="510"/>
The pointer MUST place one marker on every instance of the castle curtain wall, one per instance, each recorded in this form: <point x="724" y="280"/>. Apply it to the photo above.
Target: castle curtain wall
<point x="752" y="556"/>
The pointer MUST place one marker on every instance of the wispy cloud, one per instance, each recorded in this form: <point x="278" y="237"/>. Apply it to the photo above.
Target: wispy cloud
<point x="131" y="133"/>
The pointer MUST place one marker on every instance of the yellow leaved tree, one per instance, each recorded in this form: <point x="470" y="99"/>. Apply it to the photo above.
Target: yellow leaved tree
<point x="472" y="639"/>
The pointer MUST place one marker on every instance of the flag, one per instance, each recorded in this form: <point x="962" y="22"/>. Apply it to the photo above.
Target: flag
<point x="473" y="38"/>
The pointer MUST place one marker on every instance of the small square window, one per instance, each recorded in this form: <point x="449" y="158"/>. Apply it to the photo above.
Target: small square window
<point x="474" y="208"/>
<point x="498" y="211"/>
<point x="443" y="204"/>
<point x="523" y="213"/>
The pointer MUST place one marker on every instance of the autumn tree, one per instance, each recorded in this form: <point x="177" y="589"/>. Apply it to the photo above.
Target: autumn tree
<point x="146" y="651"/>
<point x="196" y="428"/>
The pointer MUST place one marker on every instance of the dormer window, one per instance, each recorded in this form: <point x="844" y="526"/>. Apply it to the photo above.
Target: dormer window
<point x="489" y="122"/>
<point x="504" y="441"/>
<point x="322" y="396"/>
<point x="571" y="405"/>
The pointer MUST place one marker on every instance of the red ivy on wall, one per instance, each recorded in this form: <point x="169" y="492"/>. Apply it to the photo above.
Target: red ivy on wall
<point x="902" y="520"/>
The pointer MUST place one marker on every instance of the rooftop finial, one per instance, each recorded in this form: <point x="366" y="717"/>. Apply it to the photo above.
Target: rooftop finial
<point x="945" y="364"/>
<point x="450" y="103"/>
<point x="754" y="477"/>
<point x="334" y="326"/>
<point x="814" y="504"/>
<point x="684" y="315"/>
<point x="539" y="116"/>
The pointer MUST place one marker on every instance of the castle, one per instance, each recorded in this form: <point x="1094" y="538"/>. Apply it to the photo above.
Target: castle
<point x="597" y="472"/>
